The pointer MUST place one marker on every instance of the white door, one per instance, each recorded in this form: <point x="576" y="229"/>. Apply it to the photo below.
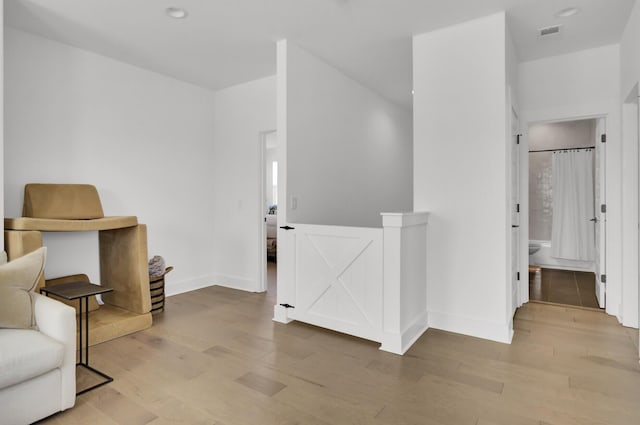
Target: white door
<point x="515" y="212"/>
<point x="600" y="216"/>
<point x="338" y="278"/>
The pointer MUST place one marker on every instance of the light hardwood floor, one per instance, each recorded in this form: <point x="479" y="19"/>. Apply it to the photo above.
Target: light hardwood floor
<point x="563" y="287"/>
<point x="215" y="357"/>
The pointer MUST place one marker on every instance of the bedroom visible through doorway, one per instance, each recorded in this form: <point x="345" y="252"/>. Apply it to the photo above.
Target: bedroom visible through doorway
<point x="269" y="145"/>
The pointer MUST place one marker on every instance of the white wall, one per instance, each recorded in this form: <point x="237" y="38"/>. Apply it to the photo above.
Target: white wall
<point x="461" y="174"/>
<point x="630" y="76"/>
<point x="143" y="139"/>
<point x="240" y="114"/>
<point x="579" y="85"/>
<point x="630" y="52"/>
<point x="349" y="150"/>
<point x="512" y="114"/>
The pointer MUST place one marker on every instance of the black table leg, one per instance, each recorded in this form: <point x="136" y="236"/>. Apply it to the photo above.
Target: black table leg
<point x="80" y="330"/>
<point x="85" y="362"/>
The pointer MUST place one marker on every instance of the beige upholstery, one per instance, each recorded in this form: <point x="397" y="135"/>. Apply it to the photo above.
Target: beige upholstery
<point x="61" y="201"/>
<point x="127" y="250"/>
<point x="38" y="367"/>
<point x="59" y="225"/>
<point x="106" y="321"/>
<point x="123" y="251"/>
<point x="17" y="280"/>
<point x="17" y="244"/>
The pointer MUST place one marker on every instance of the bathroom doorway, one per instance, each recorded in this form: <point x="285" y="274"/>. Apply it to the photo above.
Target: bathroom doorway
<point x="567" y="212"/>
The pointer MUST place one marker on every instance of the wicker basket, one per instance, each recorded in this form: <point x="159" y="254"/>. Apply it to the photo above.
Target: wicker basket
<point x="156" y="287"/>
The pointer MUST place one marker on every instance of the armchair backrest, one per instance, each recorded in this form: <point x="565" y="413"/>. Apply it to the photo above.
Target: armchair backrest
<point x="61" y="201"/>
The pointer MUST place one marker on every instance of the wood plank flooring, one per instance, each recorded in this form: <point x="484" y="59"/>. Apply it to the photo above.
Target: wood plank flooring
<point x="563" y="287"/>
<point x="216" y="357"/>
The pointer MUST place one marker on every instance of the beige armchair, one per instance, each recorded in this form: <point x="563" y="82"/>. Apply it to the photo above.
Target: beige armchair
<point x="122" y="244"/>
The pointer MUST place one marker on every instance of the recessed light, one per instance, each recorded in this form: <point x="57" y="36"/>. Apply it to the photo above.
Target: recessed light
<point x="413" y="92"/>
<point x="176" y="12"/>
<point x="568" y="12"/>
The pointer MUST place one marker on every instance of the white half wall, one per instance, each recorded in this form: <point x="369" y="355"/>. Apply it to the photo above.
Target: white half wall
<point x="240" y="115"/>
<point x="348" y="149"/>
<point x="461" y="175"/>
<point x="143" y="139"/>
<point x="584" y="84"/>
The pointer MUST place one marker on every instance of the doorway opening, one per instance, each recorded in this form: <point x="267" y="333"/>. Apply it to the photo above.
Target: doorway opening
<point x="269" y="211"/>
<point x="567" y="212"/>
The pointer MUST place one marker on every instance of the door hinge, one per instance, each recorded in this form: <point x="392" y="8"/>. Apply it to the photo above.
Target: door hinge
<point x="603" y="208"/>
<point x="603" y="138"/>
<point x="287" y="305"/>
<point x="518" y="139"/>
<point x="517" y="208"/>
<point x="518" y="276"/>
<point x="603" y="278"/>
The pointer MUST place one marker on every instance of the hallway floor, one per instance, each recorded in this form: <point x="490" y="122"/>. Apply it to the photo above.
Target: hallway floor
<point x="563" y="287"/>
<point x="215" y="356"/>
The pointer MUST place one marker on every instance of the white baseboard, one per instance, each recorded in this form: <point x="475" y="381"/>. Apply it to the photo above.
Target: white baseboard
<point x="235" y="282"/>
<point x="232" y="282"/>
<point x="499" y="332"/>
<point x="175" y="288"/>
<point x="400" y="343"/>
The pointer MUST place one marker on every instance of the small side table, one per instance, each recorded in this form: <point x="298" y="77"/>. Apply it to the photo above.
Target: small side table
<point x="81" y="291"/>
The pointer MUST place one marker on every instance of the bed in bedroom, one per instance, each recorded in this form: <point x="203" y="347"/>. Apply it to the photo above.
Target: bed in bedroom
<point x="272" y="236"/>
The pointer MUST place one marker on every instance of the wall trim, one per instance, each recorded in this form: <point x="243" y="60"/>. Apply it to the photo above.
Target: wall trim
<point x="400" y="343"/>
<point x="236" y="282"/>
<point x="485" y="329"/>
<point x="175" y="288"/>
<point x="233" y="282"/>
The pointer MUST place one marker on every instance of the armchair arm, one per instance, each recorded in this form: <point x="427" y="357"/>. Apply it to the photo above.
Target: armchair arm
<point x="58" y="321"/>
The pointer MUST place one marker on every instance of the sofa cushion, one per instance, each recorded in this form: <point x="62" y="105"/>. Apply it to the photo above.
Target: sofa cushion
<point x="61" y="201"/>
<point x="17" y="279"/>
<point x="25" y="354"/>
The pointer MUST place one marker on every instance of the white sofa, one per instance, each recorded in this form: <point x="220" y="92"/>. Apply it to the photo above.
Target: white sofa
<point x="38" y="367"/>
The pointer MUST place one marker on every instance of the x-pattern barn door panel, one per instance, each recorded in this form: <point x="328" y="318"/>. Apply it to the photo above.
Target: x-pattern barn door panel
<point x="338" y="278"/>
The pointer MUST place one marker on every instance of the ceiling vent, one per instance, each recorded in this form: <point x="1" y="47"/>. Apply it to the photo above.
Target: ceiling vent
<point x="549" y="31"/>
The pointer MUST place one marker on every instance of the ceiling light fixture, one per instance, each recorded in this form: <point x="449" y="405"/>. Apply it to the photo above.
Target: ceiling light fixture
<point x="568" y="12"/>
<point x="176" y="12"/>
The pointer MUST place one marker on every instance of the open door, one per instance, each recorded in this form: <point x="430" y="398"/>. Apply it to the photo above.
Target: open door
<point x="600" y="218"/>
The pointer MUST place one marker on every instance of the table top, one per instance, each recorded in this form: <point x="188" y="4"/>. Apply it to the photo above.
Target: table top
<point x="74" y="290"/>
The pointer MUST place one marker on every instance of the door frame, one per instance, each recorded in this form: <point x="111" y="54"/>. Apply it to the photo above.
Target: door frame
<point x="516" y="246"/>
<point x="527" y="122"/>
<point x="262" y="234"/>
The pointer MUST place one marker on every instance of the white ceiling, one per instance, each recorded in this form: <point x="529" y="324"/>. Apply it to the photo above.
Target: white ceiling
<point x="227" y="42"/>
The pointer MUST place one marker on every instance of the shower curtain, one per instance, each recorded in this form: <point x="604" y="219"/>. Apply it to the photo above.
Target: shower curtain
<point x="572" y="232"/>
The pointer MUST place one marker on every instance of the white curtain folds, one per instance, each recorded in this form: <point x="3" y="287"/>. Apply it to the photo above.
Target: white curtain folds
<point x="572" y="231"/>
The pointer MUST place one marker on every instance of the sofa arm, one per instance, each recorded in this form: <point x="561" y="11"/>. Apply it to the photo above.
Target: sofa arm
<point x="58" y="321"/>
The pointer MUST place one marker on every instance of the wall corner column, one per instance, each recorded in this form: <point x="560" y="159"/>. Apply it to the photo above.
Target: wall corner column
<point x="405" y="280"/>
